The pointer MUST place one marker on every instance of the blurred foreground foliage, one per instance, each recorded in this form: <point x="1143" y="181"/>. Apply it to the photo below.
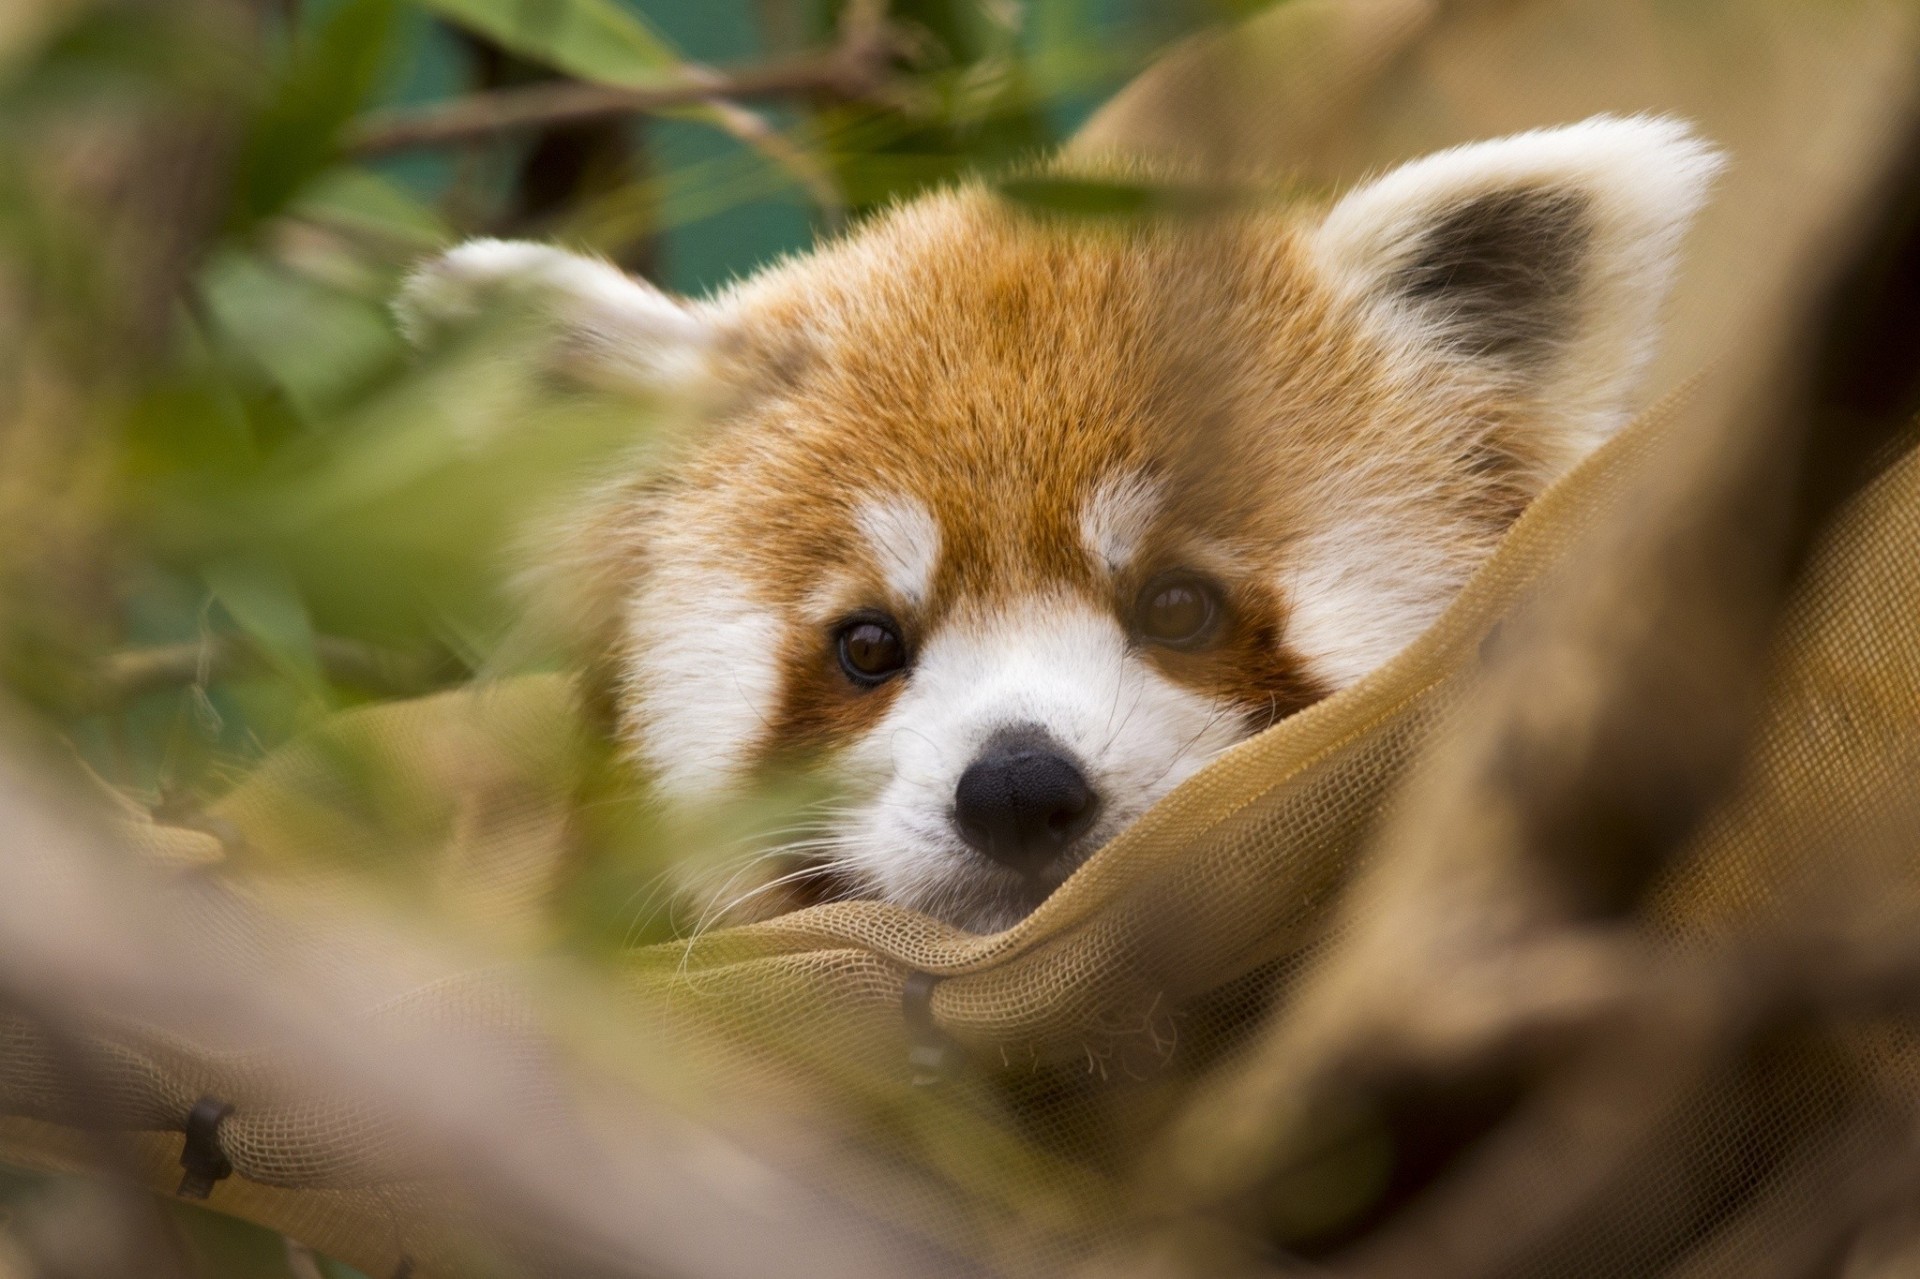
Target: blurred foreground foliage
<point x="232" y="502"/>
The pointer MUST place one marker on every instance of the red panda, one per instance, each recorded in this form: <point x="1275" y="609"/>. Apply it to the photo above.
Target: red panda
<point x="1010" y="522"/>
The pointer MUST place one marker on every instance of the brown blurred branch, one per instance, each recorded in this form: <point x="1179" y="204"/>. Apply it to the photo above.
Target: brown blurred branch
<point x="127" y="675"/>
<point x="1531" y="1050"/>
<point x="858" y="67"/>
<point x="752" y="130"/>
<point x="486" y="1113"/>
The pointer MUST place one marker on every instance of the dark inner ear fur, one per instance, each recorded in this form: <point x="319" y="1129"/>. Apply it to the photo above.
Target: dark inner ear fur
<point x="1500" y="274"/>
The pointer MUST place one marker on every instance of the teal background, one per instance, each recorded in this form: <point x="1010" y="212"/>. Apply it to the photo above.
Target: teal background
<point x="430" y="64"/>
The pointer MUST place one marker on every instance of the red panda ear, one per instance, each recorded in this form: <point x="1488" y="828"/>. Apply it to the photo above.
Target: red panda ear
<point x="607" y="326"/>
<point x="1540" y="259"/>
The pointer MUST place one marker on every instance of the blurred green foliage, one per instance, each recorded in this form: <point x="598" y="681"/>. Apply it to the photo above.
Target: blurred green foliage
<point x="274" y="466"/>
<point x="285" y="471"/>
<point x="239" y="502"/>
<point x="232" y="500"/>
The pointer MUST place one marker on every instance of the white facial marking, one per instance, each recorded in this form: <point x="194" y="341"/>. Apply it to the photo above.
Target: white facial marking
<point x="1056" y="663"/>
<point x="696" y="721"/>
<point x="905" y="542"/>
<point x="1116" y="517"/>
<point x="1366" y="587"/>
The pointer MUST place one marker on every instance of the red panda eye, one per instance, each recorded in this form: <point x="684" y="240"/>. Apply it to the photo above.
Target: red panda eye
<point x="871" y="650"/>
<point x="1177" y="610"/>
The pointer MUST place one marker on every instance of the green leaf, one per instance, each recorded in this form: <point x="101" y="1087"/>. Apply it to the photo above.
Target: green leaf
<point x="265" y="604"/>
<point x="599" y="41"/>
<point x="320" y="345"/>
<point x="363" y="201"/>
<point x="327" y="78"/>
<point x="592" y="39"/>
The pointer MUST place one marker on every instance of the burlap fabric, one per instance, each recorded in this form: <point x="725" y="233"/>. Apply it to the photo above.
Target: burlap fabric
<point x="1230" y="877"/>
<point x="1062" y="1045"/>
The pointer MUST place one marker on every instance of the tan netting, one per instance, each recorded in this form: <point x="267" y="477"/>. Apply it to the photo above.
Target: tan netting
<point x="1232" y="872"/>
<point x="1096" y="1029"/>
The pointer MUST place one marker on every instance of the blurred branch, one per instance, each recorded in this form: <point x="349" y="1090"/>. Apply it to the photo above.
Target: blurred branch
<point x="1531" y="1051"/>
<point x="136" y="672"/>
<point x="859" y="66"/>
<point x="592" y="1174"/>
<point x="751" y="129"/>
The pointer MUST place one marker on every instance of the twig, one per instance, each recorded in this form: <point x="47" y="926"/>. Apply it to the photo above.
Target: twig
<point x="857" y="67"/>
<point x="128" y="675"/>
<point x="752" y="130"/>
<point x="487" y="1110"/>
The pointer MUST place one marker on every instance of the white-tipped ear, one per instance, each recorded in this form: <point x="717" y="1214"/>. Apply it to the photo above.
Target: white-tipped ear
<point x="609" y="325"/>
<point x="1541" y="259"/>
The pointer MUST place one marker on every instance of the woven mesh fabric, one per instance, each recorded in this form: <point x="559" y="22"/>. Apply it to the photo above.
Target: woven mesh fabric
<point x="1216" y="894"/>
<point x="1093" y="1016"/>
<point x="1230" y="873"/>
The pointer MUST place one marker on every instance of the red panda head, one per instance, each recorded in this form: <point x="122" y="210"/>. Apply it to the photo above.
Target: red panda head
<point x="1013" y="521"/>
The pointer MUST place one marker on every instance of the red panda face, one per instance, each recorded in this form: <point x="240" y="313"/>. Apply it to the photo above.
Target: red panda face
<point x="1011" y="523"/>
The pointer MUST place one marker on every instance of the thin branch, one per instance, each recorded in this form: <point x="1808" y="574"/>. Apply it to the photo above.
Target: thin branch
<point x="128" y="675"/>
<point x="752" y="130"/>
<point x="858" y="67"/>
<point x="488" y="1109"/>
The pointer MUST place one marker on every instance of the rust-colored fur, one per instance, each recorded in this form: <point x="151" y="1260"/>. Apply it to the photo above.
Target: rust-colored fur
<point x="998" y="365"/>
<point x="993" y="429"/>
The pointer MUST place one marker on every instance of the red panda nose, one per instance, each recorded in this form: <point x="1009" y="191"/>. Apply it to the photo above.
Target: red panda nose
<point x="1023" y="801"/>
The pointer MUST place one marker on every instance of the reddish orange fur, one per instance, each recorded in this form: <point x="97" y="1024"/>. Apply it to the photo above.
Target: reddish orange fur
<point x="992" y="429"/>
<point x="997" y="365"/>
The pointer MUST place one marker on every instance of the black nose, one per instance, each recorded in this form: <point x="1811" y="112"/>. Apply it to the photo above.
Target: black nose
<point x="1022" y="802"/>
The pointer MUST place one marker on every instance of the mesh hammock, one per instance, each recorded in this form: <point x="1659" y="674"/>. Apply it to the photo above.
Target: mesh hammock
<point x="1066" y="1045"/>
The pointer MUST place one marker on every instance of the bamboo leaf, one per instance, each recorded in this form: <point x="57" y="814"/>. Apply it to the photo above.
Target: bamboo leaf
<point x="327" y="79"/>
<point x="266" y="605"/>
<point x="592" y="39"/>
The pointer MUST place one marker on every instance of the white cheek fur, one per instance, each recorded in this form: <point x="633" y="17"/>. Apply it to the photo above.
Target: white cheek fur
<point x="1365" y="588"/>
<point x="1054" y="662"/>
<point x="1057" y="663"/>
<point x="696" y="723"/>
